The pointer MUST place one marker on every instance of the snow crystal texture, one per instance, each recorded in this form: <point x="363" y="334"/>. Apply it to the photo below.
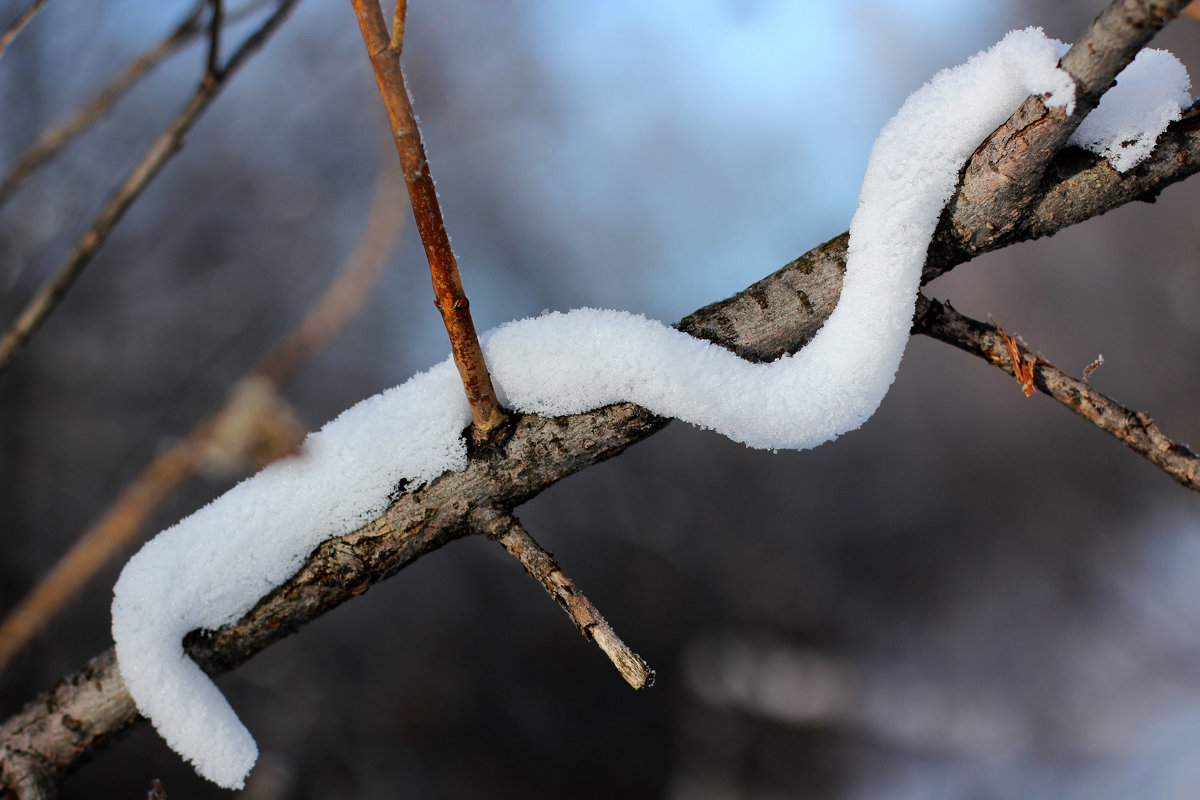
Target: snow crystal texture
<point x="212" y="567"/>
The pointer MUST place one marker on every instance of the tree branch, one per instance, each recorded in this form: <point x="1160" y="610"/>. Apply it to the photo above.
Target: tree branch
<point x="540" y="565"/>
<point x="1001" y="178"/>
<point x="1134" y="429"/>
<point x="55" y="138"/>
<point x="169" y="142"/>
<point x="486" y="414"/>
<point x="17" y="25"/>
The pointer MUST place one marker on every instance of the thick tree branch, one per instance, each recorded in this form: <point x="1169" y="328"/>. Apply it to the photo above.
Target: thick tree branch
<point x="1000" y="179"/>
<point x="1134" y="429"/>
<point x="169" y="142"/>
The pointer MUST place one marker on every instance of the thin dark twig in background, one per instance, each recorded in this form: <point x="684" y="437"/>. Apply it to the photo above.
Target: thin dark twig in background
<point x="17" y="25"/>
<point x="169" y="142"/>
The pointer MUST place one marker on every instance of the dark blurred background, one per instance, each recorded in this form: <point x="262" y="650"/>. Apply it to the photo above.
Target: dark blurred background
<point x="974" y="596"/>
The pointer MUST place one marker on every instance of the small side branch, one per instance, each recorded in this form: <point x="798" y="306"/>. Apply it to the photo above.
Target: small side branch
<point x="212" y="70"/>
<point x="540" y="565"/>
<point x="1134" y="429"/>
<point x="169" y="142"/>
<point x="486" y="414"/>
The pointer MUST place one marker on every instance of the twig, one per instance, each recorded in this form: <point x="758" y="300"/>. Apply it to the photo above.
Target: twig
<point x="1000" y="180"/>
<point x="397" y="40"/>
<point x="1135" y="429"/>
<point x="169" y="142"/>
<point x="18" y="24"/>
<point x="212" y="70"/>
<point x="55" y="138"/>
<point x="486" y="414"/>
<point x="253" y="428"/>
<point x="540" y="565"/>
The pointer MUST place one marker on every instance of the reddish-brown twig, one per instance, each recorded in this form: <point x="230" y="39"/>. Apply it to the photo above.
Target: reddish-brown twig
<point x="169" y="142"/>
<point x="14" y="29"/>
<point x="451" y="300"/>
<point x="253" y="428"/>
<point x="540" y="565"/>
<point x="397" y="40"/>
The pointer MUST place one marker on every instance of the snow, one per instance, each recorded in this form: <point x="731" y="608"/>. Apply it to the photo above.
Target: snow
<point x="212" y="567"/>
<point x="1150" y="93"/>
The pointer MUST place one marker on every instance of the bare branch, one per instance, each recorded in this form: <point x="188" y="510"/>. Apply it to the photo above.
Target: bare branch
<point x="55" y="138"/>
<point x="1134" y="429"/>
<point x="397" y="40"/>
<point x="540" y="565"/>
<point x="169" y="142"/>
<point x="253" y="428"/>
<point x="486" y="414"/>
<point x="1001" y="178"/>
<point x="17" y="25"/>
<point x="212" y="70"/>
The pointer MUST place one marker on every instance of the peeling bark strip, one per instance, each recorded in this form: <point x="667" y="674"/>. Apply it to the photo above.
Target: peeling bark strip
<point x="776" y="315"/>
<point x="1134" y="429"/>
<point x="451" y="300"/>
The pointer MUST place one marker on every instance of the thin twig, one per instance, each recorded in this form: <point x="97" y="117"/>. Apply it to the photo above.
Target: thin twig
<point x="540" y="565"/>
<point x="53" y="139"/>
<point x="1135" y="429"/>
<point x="253" y="428"/>
<point x="212" y="70"/>
<point x="486" y="414"/>
<point x="169" y="142"/>
<point x="14" y="29"/>
<point x="397" y="40"/>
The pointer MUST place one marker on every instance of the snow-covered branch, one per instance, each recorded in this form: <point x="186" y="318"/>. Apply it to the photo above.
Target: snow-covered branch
<point x="777" y="315"/>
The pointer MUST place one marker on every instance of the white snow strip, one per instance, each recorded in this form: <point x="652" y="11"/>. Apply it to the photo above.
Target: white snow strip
<point x="1150" y="94"/>
<point x="212" y="567"/>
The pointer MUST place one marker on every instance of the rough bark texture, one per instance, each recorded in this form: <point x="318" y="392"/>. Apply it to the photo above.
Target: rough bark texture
<point x="1134" y="429"/>
<point x="1002" y="177"/>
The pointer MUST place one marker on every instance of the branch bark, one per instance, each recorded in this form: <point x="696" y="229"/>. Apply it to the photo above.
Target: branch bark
<point x="1001" y="178"/>
<point x="1134" y="429"/>
<point x="384" y="51"/>
<point x="540" y="565"/>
